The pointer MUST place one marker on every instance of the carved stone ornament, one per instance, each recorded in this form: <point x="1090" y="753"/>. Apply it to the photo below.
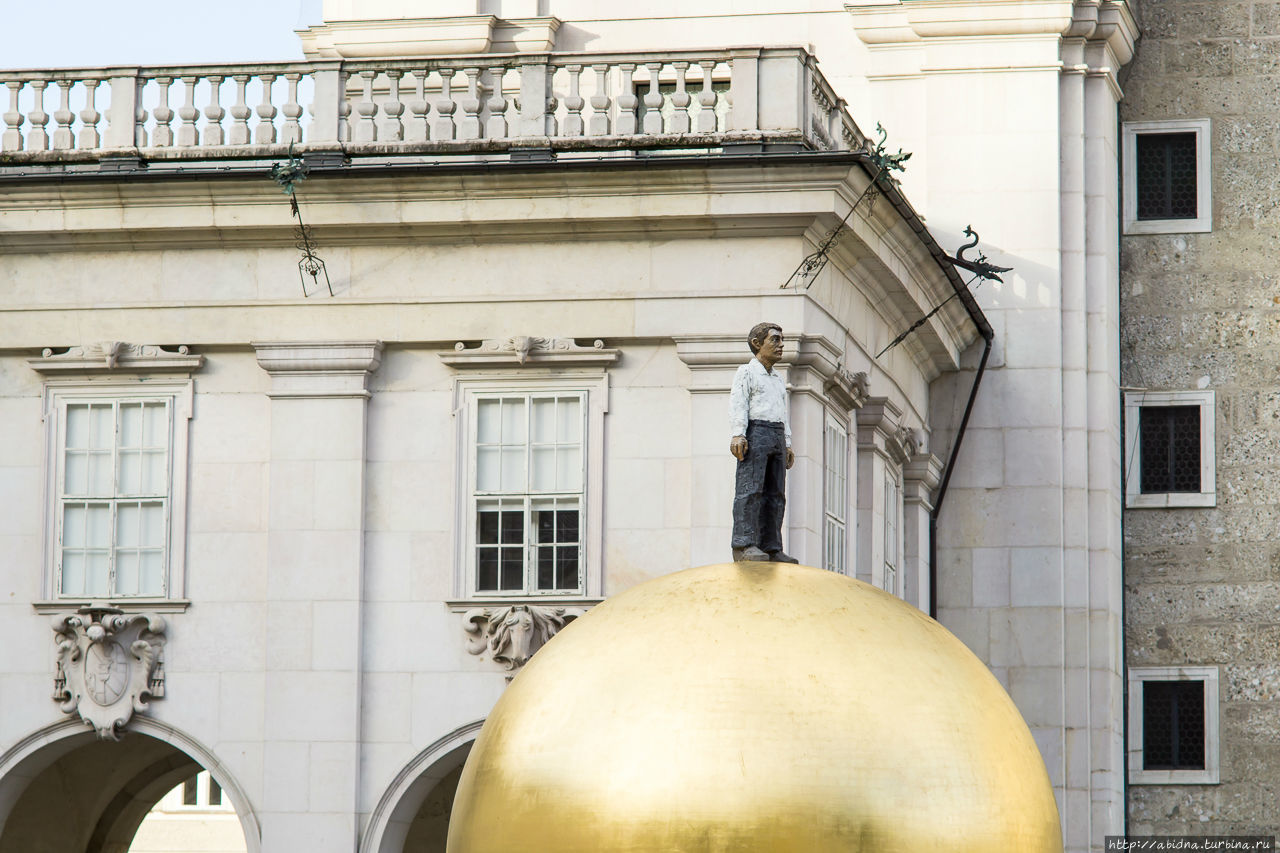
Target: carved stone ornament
<point x="906" y="443"/>
<point x="533" y="351"/>
<point x="107" y="356"/>
<point x="512" y="634"/>
<point x="849" y="389"/>
<point x="109" y="665"/>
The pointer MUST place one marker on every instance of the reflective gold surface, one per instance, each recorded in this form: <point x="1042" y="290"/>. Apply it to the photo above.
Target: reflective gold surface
<point x="754" y="707"/>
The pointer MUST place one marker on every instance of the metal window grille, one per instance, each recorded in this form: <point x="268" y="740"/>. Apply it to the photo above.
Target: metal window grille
<point x="892" y="507"/>
<point x="1173" y="725"/>
<point x="834" y="498"/>
<point x="114" y="497"/>
<point x="1170" y="448"/>
<point x="1166" y="179"/>
<point x="529" y="493"/>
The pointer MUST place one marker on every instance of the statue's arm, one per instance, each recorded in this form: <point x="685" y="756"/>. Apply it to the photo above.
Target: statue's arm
<point x="739" y="411"/>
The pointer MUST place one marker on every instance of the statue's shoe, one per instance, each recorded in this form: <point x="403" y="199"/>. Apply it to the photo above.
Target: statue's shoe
<point x="782" y="557"/>
<point x="750" y="554"/>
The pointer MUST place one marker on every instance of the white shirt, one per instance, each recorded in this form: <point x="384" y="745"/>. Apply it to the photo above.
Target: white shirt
<point x="757" y="395"/>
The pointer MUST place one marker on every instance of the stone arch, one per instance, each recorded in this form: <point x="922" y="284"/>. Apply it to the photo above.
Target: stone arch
<point x="388" y="825"/>
<point x="101" y="790"/>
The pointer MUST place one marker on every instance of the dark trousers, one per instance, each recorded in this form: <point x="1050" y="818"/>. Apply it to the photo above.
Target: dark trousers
<point x="760" y="489"/>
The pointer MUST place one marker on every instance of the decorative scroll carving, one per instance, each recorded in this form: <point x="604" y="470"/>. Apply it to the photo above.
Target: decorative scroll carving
<point x="109" y="665"/>
<point x="512" y="634"/>
<point x="107" y="356"/>
<point x="527" y="349"/>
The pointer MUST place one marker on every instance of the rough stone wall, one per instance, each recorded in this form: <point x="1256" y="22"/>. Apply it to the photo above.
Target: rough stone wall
<point x="1203" y="310"/>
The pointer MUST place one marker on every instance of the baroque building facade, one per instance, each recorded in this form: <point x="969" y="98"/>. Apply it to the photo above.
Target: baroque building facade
<point x="299" y="503"/>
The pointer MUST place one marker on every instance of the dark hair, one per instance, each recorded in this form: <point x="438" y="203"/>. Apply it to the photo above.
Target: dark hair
<point x="758" y="333"/>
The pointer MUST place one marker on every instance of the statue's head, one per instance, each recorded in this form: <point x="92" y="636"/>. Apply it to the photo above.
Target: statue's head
<point x="758" y="333"/>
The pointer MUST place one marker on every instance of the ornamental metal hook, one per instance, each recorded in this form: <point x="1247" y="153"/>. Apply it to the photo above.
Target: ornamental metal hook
<point x="288" y="175"/>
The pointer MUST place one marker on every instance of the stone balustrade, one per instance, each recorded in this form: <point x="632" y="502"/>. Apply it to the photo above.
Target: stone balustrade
<point x="476" y="103"/>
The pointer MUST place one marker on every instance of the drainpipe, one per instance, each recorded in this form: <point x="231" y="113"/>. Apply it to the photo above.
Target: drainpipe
<point x="987" y="338"/>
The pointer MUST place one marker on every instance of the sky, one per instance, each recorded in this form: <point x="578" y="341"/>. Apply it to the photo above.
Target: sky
<point x="86" y="33"/>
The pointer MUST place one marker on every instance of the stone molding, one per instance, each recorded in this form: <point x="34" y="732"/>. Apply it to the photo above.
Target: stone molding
<point x="110" y="356"/>
<point x="880" y="429"/>
<point x="920" y="476"/>
<point x="319" y="368"/>
<point x="530" y="351"/>
<point x="1109" y="24"/>
<point x="511" y="634"/>
<point x="715" y="358"/>
<point x="110" y="664"/>
<point x="435" y="36"/>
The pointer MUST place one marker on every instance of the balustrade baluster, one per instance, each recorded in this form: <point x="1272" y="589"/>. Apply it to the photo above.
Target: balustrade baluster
<point x="680" y="100"/>
<point x="240" y="112"/>
<point x="264" y="133"/>
<point x="497" y="124"/>
<point x="627" y="100"/>
<point x="13" y="119"/>
<point x="188" y="135"/>
<point x="393" y="108"/>
<point x="707" y="99"/>
<point x="469" y="125"/>
<point x="344" y="108"/>
<point x="62" y="136"/>
<point x="162" y="136"/>
<point x="416" y="128"/>
<point x="139" y="112"/>
<point x="292" y="130"/>
<point x="89" y="116"/>
<point x="366" y="127"/>
<point x="574" y="102"/>
<point x="445" y="106"/>
<point x="653" y="100"/>
<point x="599" y="123"/>
<point x="37" y="137"/>
<point x="213" y="113"/>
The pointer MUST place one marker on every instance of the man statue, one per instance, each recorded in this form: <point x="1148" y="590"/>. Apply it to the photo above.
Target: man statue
<point x="761" y="442"/>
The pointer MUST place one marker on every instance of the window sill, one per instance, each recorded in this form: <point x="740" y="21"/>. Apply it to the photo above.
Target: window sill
<point x="1173" y="777"/>
<point x="1137" y="227"/>
<point x="462" y="605"/>
<point x="49" y="607"/>
<point x="1170" y="500"/>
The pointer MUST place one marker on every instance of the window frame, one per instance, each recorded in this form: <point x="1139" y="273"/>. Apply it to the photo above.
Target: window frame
<point x="593" y="389"/>
<point x="178" y="394"/>
<point x="1203" y="222"/>
<point x="892" y="520"/>
<point x="843" y="549"/>
<point x="1140" y="776"/>
<point x="1134" y="403"/>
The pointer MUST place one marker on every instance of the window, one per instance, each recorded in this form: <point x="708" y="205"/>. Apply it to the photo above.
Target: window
<point x="1169" y="449"/>
<point x="835" y="494"/>
<point x="1167" y="177"/>
<point x="1173" y="725"/>
<point x="118" y="490"/>
<point x="528" y="491"/>
<point x="892" y="509"/>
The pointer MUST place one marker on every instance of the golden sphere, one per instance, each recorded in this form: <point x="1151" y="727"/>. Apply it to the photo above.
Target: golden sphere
<point x="754" y="707"/>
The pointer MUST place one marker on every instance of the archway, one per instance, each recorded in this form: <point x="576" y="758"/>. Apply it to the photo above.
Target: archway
<point x="414" y="808"/>
<point x="64" y="791"/>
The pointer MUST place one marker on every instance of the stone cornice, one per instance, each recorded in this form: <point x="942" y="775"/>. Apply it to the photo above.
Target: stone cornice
<point x="899" y="23"/>
<point x="108" y="357"/>
<point x="319" y="368"/>
<point x="530" y="351"/>
<point x="715" y="358"/>
<point x="920" y="476"/>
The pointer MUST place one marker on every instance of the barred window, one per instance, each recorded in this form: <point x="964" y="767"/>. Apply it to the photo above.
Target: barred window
<point x="1170" y="437"/>
<point x="1166" y="176"/>
<point x="1173" y="725"/>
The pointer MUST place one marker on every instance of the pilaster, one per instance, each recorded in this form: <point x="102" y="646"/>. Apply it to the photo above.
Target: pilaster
<point x="318" y="397"/>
